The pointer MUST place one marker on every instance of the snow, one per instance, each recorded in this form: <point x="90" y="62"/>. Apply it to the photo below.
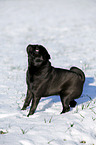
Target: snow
<point x="68" y="30"/>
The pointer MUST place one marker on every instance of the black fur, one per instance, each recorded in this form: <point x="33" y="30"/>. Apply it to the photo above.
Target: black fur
<point x="45" y="80"/>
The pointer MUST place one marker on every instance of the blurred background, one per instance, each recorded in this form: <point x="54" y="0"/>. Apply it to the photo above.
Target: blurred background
<point x="66" y="28"/>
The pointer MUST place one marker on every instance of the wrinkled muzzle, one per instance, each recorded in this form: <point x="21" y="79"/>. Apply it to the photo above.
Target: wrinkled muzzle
<point x="35" y="61"/>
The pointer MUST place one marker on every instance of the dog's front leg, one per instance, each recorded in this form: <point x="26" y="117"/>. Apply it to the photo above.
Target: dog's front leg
<point x="35" y="102"/>
<point x="28" y="99"/>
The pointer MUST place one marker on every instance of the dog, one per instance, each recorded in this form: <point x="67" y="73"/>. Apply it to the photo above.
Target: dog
<point x="45" y="80"/>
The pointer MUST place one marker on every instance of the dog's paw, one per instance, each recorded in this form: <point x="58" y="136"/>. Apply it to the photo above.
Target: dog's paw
<point x="30" y="113"/>
<point x="65" y="110"/>
<point x="23" y="108"/>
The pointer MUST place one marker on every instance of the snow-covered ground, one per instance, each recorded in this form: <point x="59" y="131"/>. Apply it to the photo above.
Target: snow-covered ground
<point x="67" y="28"/>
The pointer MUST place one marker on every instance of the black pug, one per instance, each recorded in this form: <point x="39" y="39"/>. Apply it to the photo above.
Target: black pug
<point x="44" y="80"/>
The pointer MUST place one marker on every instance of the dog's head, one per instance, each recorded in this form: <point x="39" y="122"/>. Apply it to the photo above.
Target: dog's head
<point x="37" y="55"/>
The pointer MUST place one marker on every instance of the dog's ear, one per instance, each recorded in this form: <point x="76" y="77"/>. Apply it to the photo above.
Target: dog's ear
<point x="45" y="53"/>
<point x="29" y="48"/>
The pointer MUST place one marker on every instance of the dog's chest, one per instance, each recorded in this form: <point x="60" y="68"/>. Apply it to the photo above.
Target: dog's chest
<point x="35" y="83"/>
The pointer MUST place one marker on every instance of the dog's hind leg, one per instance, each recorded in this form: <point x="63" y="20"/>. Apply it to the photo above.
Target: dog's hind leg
<point x="27" y="100"/>
<point x="68" y="101"/>
<point x="65" y="103"/>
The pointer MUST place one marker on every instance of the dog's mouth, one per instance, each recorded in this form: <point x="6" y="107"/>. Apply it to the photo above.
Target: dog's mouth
<point x="35" y="61"/>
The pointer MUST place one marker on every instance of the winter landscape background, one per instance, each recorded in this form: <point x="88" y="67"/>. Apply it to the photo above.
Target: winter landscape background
<point x="68" y="30"/>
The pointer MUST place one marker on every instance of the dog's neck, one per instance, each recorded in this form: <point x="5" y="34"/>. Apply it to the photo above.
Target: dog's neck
<point x="43" y="69"/>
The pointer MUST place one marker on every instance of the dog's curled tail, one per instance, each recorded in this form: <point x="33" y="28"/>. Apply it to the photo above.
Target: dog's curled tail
<point x="78" y="71"/>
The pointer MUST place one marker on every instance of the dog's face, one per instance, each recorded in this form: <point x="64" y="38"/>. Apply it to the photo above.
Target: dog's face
<point x="37" y="55"/>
